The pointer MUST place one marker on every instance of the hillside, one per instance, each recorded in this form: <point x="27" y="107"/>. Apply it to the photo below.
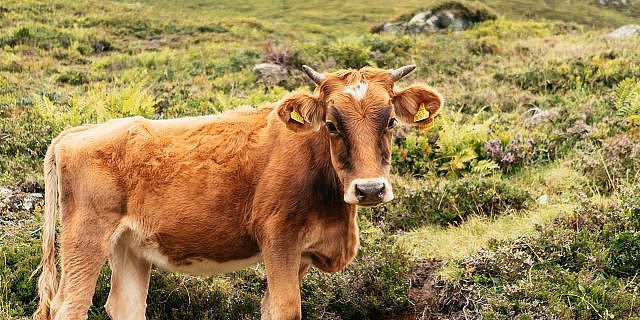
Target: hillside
<point x="520" y="203"/>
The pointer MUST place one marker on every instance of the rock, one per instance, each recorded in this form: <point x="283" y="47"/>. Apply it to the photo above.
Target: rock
<point x="429" y="22"/>
<point x="449" y="16"/>
<point x="393" y="26"/>
<point x="270" y="73"/>
<point x="30" y="200"/>
<point x="543" y="200"/>
<point x="17" y="200"/>
<point x="626" y="31"/>
<point x="419" y="20"/>
<point x="613" y="3"/>
<point x="540" y="116"/>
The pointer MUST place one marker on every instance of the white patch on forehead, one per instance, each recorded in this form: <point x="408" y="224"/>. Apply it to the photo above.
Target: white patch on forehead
<point x="357" y="90"/>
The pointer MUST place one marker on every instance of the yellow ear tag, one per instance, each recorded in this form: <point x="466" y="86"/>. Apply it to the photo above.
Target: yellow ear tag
<point x="422" y="113"/>
<point x="296" y="116"/>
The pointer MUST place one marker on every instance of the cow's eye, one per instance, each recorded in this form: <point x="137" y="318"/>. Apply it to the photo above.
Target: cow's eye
<point x="332" y="128"/>
<point x="392" y="123"/>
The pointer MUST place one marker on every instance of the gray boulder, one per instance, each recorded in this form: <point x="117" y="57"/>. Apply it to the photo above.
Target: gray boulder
<point x="448" y="16"/>
<point x="626" y="31"/>
<point x="18" y="200"/>
<point x="270" y="73"/>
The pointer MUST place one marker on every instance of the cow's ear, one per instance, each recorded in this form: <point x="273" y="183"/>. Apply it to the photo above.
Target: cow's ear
<point x="301" y="112"/>
<point x="417" y="105"/>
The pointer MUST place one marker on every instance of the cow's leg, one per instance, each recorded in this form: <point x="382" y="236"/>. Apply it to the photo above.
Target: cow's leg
<point x="83" y="252"/>
<point x="129" y="283"/>
<point x="269" y="312"/>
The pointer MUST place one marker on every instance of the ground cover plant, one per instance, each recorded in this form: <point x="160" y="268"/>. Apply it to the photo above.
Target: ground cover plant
<point x="520" y="203"/>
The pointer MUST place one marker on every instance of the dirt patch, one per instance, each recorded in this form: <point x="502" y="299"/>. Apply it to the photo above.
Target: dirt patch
<point x="432" y="297"/>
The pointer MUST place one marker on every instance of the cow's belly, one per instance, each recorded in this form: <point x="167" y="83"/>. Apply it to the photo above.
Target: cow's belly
<point x="198" y="266"/>
<point x="198" y="252"/>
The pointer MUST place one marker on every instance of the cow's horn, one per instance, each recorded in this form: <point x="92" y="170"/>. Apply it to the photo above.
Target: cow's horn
<point x="316" y="76"/>
<point x="399" y="73"/>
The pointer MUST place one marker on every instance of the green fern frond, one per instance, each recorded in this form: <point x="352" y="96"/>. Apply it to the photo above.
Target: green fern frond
<point x="627" y="101"/>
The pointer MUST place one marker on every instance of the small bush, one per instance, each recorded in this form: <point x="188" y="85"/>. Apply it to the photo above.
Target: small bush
<point x="603" y="70"/>
<point x="17" y="289"/>
<point x="73" y="77"/>
<point x="485" y="45"/>
<point x="454" y="147"/>
<point x="449" y="202"/>
<point x="580" y="267"/>
<point x="614" y="162"/>
<point x="512" y="153"/>
<point x="627" y="100"/>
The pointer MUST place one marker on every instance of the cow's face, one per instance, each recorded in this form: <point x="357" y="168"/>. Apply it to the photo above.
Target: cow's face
<point x="357" y="111"/>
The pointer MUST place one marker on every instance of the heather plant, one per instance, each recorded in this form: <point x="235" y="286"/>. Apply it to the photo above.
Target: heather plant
<point x="581" y="266"/>
<point x="603" y="70"/>
<point x="517" y="150"/>
<point x="450" y="202"/>
<point x="615" y="161"/>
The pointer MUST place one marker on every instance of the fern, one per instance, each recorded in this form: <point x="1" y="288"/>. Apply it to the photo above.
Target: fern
<point x="627" y="100"/>
<point x="484" y="167"/>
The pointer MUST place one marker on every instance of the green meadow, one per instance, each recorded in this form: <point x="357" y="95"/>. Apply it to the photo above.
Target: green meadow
<point x="522" y="202"/>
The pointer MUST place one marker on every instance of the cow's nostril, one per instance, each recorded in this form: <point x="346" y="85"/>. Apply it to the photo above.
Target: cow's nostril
<point x="370" y="192"/>
<point x="360" y="193"/>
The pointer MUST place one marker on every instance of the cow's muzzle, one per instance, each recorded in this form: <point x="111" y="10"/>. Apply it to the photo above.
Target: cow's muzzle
<point x="368" y="192"/>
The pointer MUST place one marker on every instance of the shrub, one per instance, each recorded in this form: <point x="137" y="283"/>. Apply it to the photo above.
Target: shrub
<point x="602" y="70"/>
<point x="485" y="45"/>
<point x="17" y="289"/>
<point x="388" y="51"/>
<point x="348" y="54"/>
<point x="515" y="152"/>
<point x="73" y="77"/>
<point x="614" y="162"/>
<point x="43" y="37"/>
<point x="448" y="202"/>
<point x="27" y="135"/>
<point x="582" y="266"/>
<point x="454" y="147"/>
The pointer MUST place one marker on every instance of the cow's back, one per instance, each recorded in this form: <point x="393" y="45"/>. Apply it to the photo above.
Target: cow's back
<point x="178" y="189"/>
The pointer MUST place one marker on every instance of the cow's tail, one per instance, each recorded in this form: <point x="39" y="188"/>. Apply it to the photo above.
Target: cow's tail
<point x="47" y="282"/>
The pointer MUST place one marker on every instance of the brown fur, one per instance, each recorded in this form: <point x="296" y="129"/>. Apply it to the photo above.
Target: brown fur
<point x="217" y="188"/>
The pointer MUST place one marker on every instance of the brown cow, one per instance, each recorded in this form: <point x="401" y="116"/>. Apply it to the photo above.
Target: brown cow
<point x="213" y="194"/>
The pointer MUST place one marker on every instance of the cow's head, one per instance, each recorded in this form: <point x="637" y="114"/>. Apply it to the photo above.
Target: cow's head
<point x="357" y="110"/>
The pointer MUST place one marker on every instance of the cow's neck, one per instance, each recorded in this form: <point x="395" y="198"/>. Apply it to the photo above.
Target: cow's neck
<point x="326" y="185"/>
<point x="321" y="179"/>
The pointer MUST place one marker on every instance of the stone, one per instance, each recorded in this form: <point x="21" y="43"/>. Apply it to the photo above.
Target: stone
<point x="449" y="16"/>
<point x="270" y="73"/>
<point x="17" y="200"/>
<point x="626" y="31"/>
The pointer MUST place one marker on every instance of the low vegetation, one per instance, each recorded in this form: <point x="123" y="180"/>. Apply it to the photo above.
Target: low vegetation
<point x="520" y="203"/>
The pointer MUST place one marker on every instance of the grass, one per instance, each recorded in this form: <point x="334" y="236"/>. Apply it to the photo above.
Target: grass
<point x="535" y="107"/>
<point x="477" y="232"/>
